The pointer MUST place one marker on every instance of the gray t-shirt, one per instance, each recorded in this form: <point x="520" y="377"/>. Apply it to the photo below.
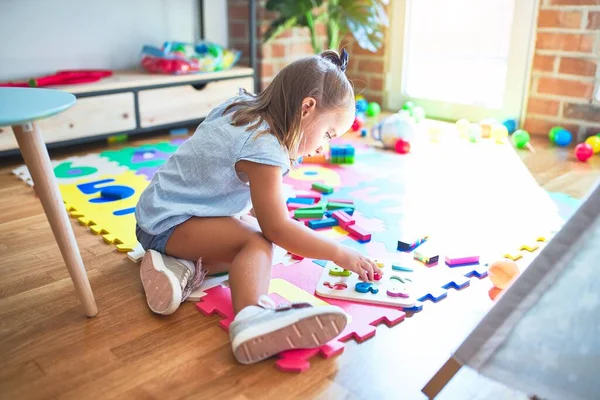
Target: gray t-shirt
<point x="200" y="180"/>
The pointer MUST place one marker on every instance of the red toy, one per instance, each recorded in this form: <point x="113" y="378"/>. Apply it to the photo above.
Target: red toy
<point x="402" y="146"/>
<point x="66" y="77"/>
<point x="583" y="152"/>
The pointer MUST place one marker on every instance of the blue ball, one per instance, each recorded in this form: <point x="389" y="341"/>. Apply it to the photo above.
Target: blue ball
<point x="363" y="132"/>
<point x="361" y="105"/>
<point x="563" y="137"/>
<point x="511" y="125"/>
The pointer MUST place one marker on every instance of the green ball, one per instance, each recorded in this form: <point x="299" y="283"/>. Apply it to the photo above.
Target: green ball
<point x="552" y="133"/>
<point x="373" y="109"/>
<point x="520" y="138"/>
<point x="409" y="105"/>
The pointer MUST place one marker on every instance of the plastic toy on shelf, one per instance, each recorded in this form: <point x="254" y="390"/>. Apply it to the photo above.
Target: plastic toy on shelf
<point x="184" y="58"/>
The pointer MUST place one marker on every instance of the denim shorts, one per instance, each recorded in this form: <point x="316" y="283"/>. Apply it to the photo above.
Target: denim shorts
<point x="153" y="242"/>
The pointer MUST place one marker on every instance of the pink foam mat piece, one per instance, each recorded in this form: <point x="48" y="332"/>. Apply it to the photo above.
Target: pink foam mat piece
<point x="305" y="275"/>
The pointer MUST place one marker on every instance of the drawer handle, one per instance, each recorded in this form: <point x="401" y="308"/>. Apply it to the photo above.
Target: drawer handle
<point x="125" y="115"/>
<point x="71" y="125"/>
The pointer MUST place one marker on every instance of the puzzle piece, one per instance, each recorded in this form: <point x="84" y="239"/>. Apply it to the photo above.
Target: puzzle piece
<point x="305" y="276"/>
<point x="74" y="169"/>
<point x="366" y="292"/>
<point x="113" y="219"/>
<point x="134" y="159"/>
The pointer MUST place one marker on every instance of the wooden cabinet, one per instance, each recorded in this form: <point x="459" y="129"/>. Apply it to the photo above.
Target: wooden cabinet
<point x="132" y="102"/>
<point x="184" y="103"/>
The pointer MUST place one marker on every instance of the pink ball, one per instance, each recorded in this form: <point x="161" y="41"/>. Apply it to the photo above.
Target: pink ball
<point x="583" y="151"/>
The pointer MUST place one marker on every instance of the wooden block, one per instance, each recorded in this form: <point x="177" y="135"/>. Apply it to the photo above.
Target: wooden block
<point x="303" y="213"/>
<point x="339" y="206"/>
<point x="358" y="233"/>
<point x="322" y="188"/>
<point x="322" y="223"/>
<point x="343" y="218"/>
<point x="300" y="200"/>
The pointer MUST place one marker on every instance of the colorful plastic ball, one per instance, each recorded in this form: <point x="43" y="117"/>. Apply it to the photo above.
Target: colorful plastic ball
<point x="594" y="141"/>
<point x="356" y="125"/>
<point x="474" y="132"/>
<point x="462" y="126"/>
<point x="511" y="125"/>
<point x="360" y="97"/>
<point x="503" y="272"/>
<point x="402" y="146"/>
<point x="418" y="113"/>
<point x="373" y="109"/>
<point x="552" y="133"/>
<point x="499" y="133"/>
<point x="364" y="132"/>
<point x="562" y="137"/>
<point x="521" y="138"/>
<point x="361" y="105"/>
<point x="409" y="105"/>
<point x="583" y="152"/>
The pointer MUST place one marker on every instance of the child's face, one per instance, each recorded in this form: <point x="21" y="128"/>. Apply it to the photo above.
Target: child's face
<point x="319" y="127"/>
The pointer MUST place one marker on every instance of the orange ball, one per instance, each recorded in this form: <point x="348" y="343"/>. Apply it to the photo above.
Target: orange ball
<point x="503" y="272"/>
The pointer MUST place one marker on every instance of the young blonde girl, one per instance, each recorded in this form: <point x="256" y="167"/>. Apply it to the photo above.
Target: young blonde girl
<point x="233" y="163"/>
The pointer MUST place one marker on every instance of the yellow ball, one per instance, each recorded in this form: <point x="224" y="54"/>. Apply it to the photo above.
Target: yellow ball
<point x="360" y="97"/>
<point x="503" y="272"/>
<point x="499" y="133"/>
<point x="594" y="141"/>
<point x="462" y="125"/>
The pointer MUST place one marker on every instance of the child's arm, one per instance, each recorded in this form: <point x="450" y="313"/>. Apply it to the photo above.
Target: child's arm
<point x="271" y="212"/>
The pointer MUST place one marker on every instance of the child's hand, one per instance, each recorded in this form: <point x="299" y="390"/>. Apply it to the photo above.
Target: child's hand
<point x="354" y="261"/>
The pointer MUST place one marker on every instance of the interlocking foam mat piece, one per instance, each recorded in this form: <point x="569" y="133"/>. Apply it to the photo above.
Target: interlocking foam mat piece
<point x="459" y="196"/>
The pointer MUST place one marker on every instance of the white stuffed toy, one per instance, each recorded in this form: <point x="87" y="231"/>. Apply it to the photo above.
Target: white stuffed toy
<point x="396" y="126"/>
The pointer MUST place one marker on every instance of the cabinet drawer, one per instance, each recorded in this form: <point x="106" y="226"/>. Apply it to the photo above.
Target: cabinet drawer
<point x="88" y="117"/>
<point x="183" y="103"/>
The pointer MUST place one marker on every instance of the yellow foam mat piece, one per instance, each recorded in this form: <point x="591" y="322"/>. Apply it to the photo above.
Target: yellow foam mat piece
<point x="101" y="217"/>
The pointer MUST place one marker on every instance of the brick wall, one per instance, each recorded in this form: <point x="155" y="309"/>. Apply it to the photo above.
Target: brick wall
<point x="366" y="69"/>
<point x="275" y="55"/>
<point x="566" y="68"/>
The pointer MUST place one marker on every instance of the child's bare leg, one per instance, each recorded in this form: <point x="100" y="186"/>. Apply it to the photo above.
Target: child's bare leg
<point x="219" y="241"/>
<point x="258" y="330"/>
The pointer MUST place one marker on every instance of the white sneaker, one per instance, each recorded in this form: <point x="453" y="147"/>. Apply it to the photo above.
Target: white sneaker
<point x="168" y="281"/>
<point x="261" y="331"/>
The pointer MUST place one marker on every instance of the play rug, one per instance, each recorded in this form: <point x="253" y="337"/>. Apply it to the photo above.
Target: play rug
<point x="469" y="200"/>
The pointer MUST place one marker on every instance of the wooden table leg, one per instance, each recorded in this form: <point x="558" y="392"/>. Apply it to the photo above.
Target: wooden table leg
<point x="36" y="157"/>
<point x="441" y="378"/>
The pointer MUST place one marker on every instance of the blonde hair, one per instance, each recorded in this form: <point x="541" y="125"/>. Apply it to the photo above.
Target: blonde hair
<point x="280" y="104"/>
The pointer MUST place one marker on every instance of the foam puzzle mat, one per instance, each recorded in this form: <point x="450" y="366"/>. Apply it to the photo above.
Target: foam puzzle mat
<point x="465" y="198"/>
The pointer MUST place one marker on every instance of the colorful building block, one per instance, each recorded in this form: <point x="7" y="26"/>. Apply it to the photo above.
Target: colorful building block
<point x="310" y="195"/>
<point x="319" y="206"/>
<point x="322" y="188"/>
<point x="426" y="254"/>
<point x="322" y="223"/>
<point x="460" y="259"/>
<point x="408" y="243"/>
<point x="345" y="201"/>
<point x="349" y="211"/>
<point x="303" y="213"/>
<point x="358" y="233"/>
<point x="341" y="154"/>
<point x="294" y="206"/>
<point x="344" y="219"/>
<point x="301" y="200"/>
<point x="338" y="206"/>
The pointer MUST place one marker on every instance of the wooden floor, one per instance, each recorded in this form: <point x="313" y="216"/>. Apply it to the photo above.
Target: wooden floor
<point x="48" y="349"/>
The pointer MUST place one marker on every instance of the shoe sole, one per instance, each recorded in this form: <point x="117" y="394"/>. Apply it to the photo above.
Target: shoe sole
<point x="305" y="333"/>
<point x="158" y="284"/>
